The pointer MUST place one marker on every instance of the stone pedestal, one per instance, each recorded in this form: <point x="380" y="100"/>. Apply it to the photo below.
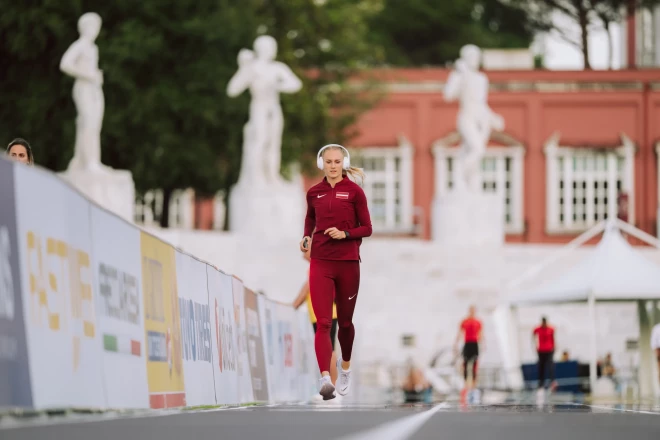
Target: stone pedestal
<point x="114" y="190"/>
<point x="271" y="211"/>
<point x="468" y="220"/>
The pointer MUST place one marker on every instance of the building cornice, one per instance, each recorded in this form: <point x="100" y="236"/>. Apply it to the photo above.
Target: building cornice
<point x="521" y="86"/>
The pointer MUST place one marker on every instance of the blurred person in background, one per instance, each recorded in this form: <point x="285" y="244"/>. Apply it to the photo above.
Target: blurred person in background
<point x="338" y="216"/>
<point x="305" y="297"/>
<point x="565" y="357"/>
<point x="415" y="386"/>
<point x="543" y="338"/>
<point x="470" y="330"/>
<point x="20" y="151"/>
<point x="655" y="345"/>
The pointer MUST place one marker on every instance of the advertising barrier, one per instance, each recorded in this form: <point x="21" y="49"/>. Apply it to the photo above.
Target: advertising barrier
<point x="55" y="248"/>
<point x="224" y="332"/>
<point x="96" y="313"/>
<point x="119" y="305"/>
<point x="15" y="388"/>
<point x="195" y="330"/>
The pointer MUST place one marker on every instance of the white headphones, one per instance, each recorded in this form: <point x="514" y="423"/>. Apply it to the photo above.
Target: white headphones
<point x="347" y="158"/>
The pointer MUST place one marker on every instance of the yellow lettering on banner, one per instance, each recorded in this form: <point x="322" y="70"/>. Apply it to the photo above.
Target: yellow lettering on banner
<point x="63" y="271"/>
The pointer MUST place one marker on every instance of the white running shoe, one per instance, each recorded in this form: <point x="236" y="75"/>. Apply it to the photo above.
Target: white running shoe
<point x="327" y="388"/>
<point x="344" y="379"/>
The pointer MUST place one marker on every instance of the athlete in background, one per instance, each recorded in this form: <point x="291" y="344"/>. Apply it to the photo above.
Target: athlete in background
<point x="338" y="215"/>
<point x="544" y="342"/>
<point x="470" y="329"/>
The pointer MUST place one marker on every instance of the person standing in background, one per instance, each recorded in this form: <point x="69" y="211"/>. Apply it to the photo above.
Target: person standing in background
<point x="20" y="151"/>
<point x="655" y="345"/>
<point x="543" y="338"/>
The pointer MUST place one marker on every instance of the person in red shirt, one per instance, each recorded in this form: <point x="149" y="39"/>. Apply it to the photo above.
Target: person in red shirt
<point x="338" y="218"/>
<point x="544" y="341"/>
<point x="470" y="329"/>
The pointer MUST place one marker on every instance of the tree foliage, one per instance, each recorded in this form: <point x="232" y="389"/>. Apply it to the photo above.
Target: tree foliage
<point x="166" y="65"/>
<point x="588" y="14"/>
<point x="431" y="32"/>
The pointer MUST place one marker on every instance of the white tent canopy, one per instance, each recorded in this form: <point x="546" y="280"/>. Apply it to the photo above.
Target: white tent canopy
<point x="613" y="271"/>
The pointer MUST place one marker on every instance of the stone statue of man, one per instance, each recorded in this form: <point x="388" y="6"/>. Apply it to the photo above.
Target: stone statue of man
<point x="266" y="79"/>
<point x="475" y="118"/>
<point x="81" y="62"/>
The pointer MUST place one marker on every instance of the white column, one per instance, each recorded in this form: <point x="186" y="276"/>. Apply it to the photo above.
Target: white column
<point x="551" y="185"/>
<point x="406" y="184"/>
<point x="657" y="155"/>
<point x="390" y="190"/>
<point x="593" y="358"/>
<point x="611" y="186"/>
<point x="517" y="185"/>
<point x="568" y="190"/>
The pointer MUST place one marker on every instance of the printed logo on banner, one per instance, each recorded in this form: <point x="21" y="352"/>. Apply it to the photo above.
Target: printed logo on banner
<point x="59" y="277"/>
<point x="121" y="301"/>
<point x="162" y="324"/>
<point x="256" y="348"/>
<point x="224" y="336"/>
<point x="286" y="343"/>
<point x="15" y="388"/>
<point x="195" y="330"/>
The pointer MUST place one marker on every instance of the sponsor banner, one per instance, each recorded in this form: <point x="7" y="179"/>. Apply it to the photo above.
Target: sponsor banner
<point x="196" y="342"/>
<point x="268" y="331"/>
<point x="14" y="368"/>
<point x="286" y="369"/>
<point x="223" y="332"/>
<point x="59" y="290"/>
<point x="119" y="303"/>
<point x="308" y="370"/>
<point x="255" y="347"/>
<point x="162" y="324"/>
<point x="245" y="392"/>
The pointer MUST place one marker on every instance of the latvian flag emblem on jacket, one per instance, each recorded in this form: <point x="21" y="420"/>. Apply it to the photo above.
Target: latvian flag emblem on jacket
<point x="342" y="195"/>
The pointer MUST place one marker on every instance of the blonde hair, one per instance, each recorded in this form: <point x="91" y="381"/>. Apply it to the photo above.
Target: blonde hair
<point x="352" y="172"/>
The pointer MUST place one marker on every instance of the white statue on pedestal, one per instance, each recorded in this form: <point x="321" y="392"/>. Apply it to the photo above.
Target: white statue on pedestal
<point x="475" y="118"/>
<point x="266" y="79"/>
<point x="112" y="189"/>
<point x="81" y="62"/>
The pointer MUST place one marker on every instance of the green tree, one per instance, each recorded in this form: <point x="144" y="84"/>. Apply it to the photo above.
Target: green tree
<point x="588" y="14"/>
<point x="431" y="32"/>
<point x="166" y="66"/>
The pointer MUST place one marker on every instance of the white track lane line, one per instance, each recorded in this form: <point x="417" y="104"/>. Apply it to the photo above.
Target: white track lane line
<point x="609" y="408"/>
<point x="399" y="429"/>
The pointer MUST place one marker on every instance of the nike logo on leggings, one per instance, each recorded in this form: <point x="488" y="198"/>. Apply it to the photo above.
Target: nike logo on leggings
<point x="350" y="298"/>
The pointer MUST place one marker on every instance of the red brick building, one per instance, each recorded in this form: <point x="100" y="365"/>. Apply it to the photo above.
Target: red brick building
<point x="574" y="142"/>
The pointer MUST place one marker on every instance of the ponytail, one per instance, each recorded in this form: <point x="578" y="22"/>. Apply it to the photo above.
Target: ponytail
<point x="353" y="173"/>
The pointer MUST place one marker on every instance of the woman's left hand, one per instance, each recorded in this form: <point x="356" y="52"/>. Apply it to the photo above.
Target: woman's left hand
<point x="335" y="233"/>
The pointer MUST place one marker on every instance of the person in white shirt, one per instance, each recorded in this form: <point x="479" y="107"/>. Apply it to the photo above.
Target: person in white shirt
<point x="655" y="344"/>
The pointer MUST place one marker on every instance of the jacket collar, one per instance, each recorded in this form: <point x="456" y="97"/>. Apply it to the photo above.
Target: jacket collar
<point x="339" y="184"/>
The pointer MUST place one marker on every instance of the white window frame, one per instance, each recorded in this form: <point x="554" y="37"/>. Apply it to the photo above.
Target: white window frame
<point x="389" y="178"/>
<point x="612" y="156"/>
<point x="657" y="152"/>
<point x="445" y="153"/>
<point x="182" y="209"/>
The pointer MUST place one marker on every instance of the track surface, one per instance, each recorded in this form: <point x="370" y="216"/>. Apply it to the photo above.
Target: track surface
<point x="321" y="422"/>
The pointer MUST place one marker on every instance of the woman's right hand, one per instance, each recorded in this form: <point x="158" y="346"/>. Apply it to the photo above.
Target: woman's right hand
<point x="304" y="244"/>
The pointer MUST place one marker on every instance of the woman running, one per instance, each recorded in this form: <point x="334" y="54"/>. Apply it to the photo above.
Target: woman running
<point x="305" y="297"/>
<point x="338" y="216"/>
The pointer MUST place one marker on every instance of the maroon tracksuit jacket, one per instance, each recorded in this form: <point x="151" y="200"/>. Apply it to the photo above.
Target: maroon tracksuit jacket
<point x="343" y="207"/>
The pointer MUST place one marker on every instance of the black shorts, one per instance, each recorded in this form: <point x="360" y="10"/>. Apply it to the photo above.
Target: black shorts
<point x="470" y="351"/>
<point x="333" y="332"/>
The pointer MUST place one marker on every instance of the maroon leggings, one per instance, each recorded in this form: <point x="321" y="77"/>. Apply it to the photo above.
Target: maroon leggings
<point x="338" y="280"/>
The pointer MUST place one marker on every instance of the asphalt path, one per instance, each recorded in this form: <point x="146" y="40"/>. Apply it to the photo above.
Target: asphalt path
<point x="445" y="421"/>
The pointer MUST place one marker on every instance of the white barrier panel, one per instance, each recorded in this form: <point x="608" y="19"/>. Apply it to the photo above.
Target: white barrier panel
<point x="255" y="348"/>
<point x="195" y="330"/>
<point x="223" y="329"/>
<point x="162" y="324"/>
<point x="55" y="247"/>
<point x="268" y="330"/>
<point x="118" y="287"/>
<point x="308" y="371"/>
<point x="245" y="393"/>
<point x="286" y="389"/>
